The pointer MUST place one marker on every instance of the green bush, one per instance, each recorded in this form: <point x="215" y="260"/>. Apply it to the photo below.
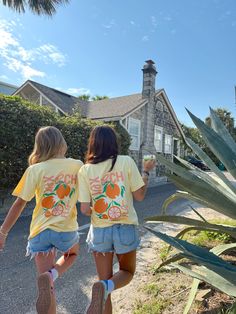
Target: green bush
<point x="19" y="122"/>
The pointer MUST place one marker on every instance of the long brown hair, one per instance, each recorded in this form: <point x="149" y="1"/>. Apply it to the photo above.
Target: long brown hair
<point x="102" y="145"/>
<point x="49" y="142"/>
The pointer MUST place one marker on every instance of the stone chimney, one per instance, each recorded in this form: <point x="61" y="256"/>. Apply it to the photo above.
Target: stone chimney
<point x="149" y="78"/>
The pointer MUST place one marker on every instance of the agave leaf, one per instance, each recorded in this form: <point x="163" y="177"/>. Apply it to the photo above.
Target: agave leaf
<point x="172" y="259"/>
<point x="195" y="228"/>
<point x="216" y="250"/>
<point x="207" y="160"/>
<point x="197" y="213"/>
<point x="219" y="127"/>
<point x="194" y="222"/>
<point x="200" y="179"/>
<point x="207" y="197"/>
<point x="222" y="248"/>
<point x="192" y="295"/>
<point x="217" y="145"/>
<point x="202" y="256"/>
<point x="214" y="181"/>
<point x="211" y="277"/>
<point x="232" y="310"/>
<point x="180" y="195"/>
<point x="185" y="163"/>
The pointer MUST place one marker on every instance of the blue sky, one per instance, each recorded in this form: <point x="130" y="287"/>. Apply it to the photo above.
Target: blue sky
<point x="99" y="47"/>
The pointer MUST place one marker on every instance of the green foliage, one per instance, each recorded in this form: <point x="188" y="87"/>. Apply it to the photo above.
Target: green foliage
<point x="94" y="98"/>
<point x="84" y="97"/>
<point x="213" y="190"/>
<point x="124" y="139"/>
<point x="155" y="306"/>
<point x="152" y="289"/>
<point x="195" y="135"/>
<point x="19" y="122"/>
<point x="47" y="7"/>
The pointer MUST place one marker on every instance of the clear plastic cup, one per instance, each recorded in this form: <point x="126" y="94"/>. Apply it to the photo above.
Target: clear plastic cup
<point x="149" y="157"/>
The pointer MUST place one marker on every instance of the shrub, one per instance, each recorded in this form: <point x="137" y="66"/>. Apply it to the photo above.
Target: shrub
<point x="19" y="122"/>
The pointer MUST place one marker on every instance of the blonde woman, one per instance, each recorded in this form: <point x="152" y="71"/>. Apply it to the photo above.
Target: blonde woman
<point x="52" y="179"/>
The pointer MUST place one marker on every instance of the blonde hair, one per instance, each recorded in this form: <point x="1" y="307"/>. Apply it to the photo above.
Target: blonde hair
<point x="49" y="142"/>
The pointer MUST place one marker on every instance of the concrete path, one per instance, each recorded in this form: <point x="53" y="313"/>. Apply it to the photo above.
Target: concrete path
<point x="17" y="273"/>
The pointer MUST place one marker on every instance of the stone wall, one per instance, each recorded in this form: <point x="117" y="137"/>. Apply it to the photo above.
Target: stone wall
<point x="155" y="112"/>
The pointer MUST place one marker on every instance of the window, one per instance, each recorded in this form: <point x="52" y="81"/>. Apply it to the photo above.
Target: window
<point x="134" y="131"/>
<point x="168" y="144"/>
<point x="158" y="138"/>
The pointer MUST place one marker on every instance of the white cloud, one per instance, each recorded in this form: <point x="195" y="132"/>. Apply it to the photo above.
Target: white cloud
<point x="154" y="21"/>
<point x="145" y="38"/>
<point x="111" y="24"/>
<point x="19" y="59"/>
<point x="4" y="77"/>
<point x="26" y="71"/>
<point x="78" y="91"/>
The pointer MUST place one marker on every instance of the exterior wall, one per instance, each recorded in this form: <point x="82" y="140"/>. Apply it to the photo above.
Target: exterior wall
<point x="32" y="95"/>
<point x="137" y="154"/>
<point x="154" y="113"/>
<point x="7" y="89"/>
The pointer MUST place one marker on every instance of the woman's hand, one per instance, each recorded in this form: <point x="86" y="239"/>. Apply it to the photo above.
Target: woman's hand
<point x="85" y="209"/>
<point x="149" y="164"/>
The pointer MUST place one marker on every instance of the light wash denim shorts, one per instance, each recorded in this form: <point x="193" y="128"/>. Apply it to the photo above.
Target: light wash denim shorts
<point x="118" y="238"/>
<point x="49" y="240"/>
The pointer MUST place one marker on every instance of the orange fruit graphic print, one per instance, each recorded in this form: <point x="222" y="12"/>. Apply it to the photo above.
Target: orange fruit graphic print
<point x="48" y="202"/>
<point x="63" y="191"/>
<point x="100" y="206"/>
<point x="109" y="203"/>
<point x="112" y="190"/>
<point x="56" y="200"/>
<point x="114" y="212"/>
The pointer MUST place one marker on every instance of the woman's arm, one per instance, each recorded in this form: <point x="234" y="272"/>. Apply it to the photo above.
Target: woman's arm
<point x="148" y="165"/>
<point x="85" y="209"/>
<point x="11" y="218"/>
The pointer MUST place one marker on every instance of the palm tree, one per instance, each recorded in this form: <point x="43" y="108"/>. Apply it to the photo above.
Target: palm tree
<point x="97" y="97"/>
<point x="47" y="7"/>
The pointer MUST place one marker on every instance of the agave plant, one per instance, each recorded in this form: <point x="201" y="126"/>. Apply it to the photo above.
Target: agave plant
<point x="212" y="190"/>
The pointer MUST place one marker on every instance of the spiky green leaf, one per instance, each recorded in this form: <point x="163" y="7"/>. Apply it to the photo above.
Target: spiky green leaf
<point x="199" y="225"/>
<point x="217" y="145"/>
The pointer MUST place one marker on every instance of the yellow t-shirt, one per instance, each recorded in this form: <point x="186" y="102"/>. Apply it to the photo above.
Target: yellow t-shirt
<point x="110" y="192"/>
<point x="54" y="183"/>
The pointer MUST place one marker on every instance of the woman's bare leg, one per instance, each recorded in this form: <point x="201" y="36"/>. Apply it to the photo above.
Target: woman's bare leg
<point x="44" y="262"/>
<point x="127" y="266"/>
<point x="104" y="265"/>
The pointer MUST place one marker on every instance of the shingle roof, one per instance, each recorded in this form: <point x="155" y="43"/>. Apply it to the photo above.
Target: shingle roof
<point x="113" y="108"/>
<point x="64" y="101"/>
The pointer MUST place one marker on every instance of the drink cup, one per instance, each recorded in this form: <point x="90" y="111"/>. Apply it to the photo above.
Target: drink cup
<point x="149" y="157"/>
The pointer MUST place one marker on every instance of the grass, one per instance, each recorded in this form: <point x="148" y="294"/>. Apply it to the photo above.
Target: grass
<point x="156" y="299"/>
<point x="209" y="238"/>
<point x="152" y="289"/>
<point x="153" y="307"/>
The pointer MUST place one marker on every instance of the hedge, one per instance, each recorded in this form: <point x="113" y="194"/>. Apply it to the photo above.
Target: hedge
<point x="20" y="120"/>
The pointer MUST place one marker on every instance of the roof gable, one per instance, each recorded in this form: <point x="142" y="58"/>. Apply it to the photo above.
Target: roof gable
<point x="60" y="99"/>
<point x="114" y="108"/>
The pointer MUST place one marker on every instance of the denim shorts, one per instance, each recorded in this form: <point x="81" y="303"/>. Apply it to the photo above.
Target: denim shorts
<point x="118" y="238"/>
<point x="49" y="240"/>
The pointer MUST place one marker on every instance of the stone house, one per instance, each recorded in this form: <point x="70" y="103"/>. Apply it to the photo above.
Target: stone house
<point x="148" y="116"/>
